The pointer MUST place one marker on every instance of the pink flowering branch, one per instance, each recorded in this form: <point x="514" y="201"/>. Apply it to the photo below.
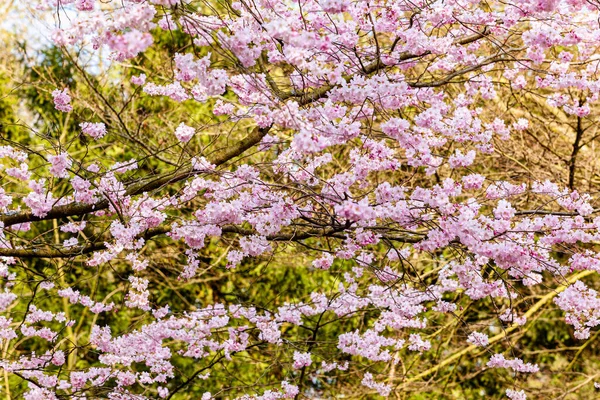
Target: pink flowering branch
<point x="146" y="185"/>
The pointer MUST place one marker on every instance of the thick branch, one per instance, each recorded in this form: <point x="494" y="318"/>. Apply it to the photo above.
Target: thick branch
<point x="152" y="183"/>
<point x="573" y="160"/>
<point x="101" y="243"/>
<point x="317" y="94"/>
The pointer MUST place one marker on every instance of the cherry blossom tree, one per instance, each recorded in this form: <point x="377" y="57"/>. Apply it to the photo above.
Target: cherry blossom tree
<point x="296" y="199"/>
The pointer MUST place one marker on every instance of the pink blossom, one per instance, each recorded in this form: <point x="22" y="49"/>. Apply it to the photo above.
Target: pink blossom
<point x="516" y="364"/>
<point x="381" y="388"/>
<point x="70" y="242"/>
<point x="184" y="133"/>
<point x="73" y="227"/>
<point x="129" y="44"/>
<point x="60" y="164"/>
<point x="290" y="391"/>
<point x="418" y="344"/>
<point x="62" y="100"/>
<point x="38" y="200"/>
<point x="6" y="299"/>
<point x="96" y="130"/>
<point x="324" y="262"/>
<point x="85" y="5"/>
<point x="478" y="339"/>
<point x="461" y="160"/>
<point x="139" y="79"/>
<point x="301" y="360"/>
<point x="516" y="395"/>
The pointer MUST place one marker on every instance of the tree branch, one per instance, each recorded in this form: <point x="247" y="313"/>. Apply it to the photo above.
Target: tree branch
<point x="150" y="233"/>
<point x="152" y="183"/>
